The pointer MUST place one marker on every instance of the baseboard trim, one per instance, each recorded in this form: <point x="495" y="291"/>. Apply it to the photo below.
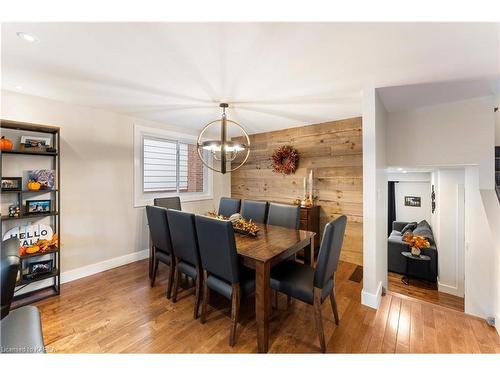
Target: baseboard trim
<point x="370" y="299"/>
<point x="105" y="265"/>
<point x="497" y="324"/>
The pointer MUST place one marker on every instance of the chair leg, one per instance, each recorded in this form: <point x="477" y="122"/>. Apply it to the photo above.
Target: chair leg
<point x="275" y="299"/>
<point x="319" y="319"/>
<point x="206" y="296"/>
<point x="176" y="280"/>
<point x="197" y="293"/>
<point x="333" y="302"/>
<point x="155" y="269"/>
<point x="170" y="278"/>
<point x="235" y="311"/>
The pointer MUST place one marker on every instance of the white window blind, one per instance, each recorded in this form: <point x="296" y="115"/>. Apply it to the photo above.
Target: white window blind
<point x="171" y="166"/>
<point x="160" y="165"/>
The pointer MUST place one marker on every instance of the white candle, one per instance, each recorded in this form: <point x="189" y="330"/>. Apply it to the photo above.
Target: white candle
<point x="310" y="184"/>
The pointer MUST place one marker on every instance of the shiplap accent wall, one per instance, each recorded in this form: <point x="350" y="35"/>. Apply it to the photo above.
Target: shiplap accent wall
<point x="333" y="150"/>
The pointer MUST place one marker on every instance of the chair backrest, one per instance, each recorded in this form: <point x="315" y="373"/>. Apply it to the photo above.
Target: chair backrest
<point x="158" y="228"/>
<point x="329" y="251"/>
<point x="284" y="215"/>
<point x="170" y="202"/>
<point x="183" y="235"/>
<point x="254" y="210"/>
<point x="229" y="206"/>
<point x="218" y="248"/>
<point x="9" y="267"/>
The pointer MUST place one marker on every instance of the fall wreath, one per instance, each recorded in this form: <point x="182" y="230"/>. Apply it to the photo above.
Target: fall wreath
<point x="285" y="160"/>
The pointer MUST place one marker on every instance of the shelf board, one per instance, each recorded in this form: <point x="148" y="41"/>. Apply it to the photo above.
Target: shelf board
<point x="39" y="153"/>
<point x="33" y="296"/>
<point x="29" y="127"/>
<point x="27" y="256"/>
<point x="30" y="216"/>
<point x="28" y="191"/>
<point x="24" y="281"/>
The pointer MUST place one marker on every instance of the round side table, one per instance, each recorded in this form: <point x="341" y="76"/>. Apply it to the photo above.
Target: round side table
<point x="409" y="256"/>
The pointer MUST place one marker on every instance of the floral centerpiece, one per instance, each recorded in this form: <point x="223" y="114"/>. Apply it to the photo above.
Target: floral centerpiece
<point x="416" y="242"/>
<point x="240" y="225"/>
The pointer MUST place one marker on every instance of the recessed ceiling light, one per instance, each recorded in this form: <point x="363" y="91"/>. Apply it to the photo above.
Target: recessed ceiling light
<point x="400" y="169"/>
<point x="27" y="37"/>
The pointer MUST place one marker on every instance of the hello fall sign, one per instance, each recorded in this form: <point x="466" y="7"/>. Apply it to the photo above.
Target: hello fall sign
<point x="30" y="234"/>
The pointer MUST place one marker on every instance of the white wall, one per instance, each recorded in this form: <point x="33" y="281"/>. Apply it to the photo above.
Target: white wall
<point x="98" y="218"/>
<point x="449" y="230"/>
<point x="497" y="122"/>
<point x="414" y="189"/>
<point x="374" y="199"/>
<point x="459" y="133"/>
<point x="480" y="251"/>
<point x="456" y="134"/>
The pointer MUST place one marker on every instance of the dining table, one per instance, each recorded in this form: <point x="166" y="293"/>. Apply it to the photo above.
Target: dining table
<point x="271" y="246"/>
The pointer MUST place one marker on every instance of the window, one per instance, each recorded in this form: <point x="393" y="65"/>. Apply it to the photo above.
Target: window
<point x="166" y="164"/>
<point x="171" y="166"/>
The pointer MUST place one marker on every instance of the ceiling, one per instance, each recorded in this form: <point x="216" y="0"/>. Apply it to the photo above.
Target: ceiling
<point x="274" y="75"/>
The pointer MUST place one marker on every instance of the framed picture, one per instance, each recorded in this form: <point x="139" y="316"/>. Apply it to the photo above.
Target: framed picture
<point x="39" y="268"/>
<point x="30" y="141"/>
<point x="38" y="206"/>
<point x="46" y="177"/>
<point x="11" y="183"/>
<point x="413" y="201"/>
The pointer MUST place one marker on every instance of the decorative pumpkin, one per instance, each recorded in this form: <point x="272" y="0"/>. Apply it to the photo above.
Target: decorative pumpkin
<point x="33" y="249"/>
<point x="34" y="185"/>
<point x="6" y="144"/>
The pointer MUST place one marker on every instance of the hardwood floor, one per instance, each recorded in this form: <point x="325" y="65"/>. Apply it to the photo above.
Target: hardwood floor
<point x="117" y="312"/>
<point x="424" y="291"/>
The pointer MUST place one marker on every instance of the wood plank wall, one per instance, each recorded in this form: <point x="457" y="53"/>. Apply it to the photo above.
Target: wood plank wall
<point x="334" y="151"/>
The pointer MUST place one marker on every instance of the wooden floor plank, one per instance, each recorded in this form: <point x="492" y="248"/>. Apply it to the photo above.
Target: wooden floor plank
<point x="424" y="291"/>
<point x="118" y="312"/>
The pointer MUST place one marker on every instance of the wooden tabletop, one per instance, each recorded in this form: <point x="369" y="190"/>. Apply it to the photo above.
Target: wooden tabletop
<point x="272" y="243"/>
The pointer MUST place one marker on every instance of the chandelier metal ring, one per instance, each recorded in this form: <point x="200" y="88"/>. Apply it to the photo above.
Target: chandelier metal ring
<point x="222" y="144"/>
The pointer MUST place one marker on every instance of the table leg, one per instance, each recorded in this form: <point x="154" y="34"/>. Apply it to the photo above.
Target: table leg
<point x="309" y="253"/>
<point x="406" y="279"/>
<point x="262" y="304"/>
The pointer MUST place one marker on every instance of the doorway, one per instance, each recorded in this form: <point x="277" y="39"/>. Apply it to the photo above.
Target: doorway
<point x="428" y="204"/>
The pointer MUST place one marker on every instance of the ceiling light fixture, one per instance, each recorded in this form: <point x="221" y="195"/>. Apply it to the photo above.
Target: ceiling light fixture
<point x="230" y="151"/>
<point x="27" y="37"/>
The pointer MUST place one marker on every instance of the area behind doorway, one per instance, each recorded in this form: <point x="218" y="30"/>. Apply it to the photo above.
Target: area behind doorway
<point x="435" y="196"/>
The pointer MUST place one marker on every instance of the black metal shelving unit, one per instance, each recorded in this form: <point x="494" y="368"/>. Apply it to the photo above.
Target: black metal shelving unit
<point x="37" y="294"/>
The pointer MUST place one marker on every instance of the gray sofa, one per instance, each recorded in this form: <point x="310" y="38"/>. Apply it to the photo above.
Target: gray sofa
<point x="397" y="263"/>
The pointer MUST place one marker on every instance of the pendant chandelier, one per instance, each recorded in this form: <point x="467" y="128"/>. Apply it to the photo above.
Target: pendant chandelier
<point x="223" y="145"/>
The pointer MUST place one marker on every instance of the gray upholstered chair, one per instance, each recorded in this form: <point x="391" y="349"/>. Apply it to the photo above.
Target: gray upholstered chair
<point x="229" y="206"/>
<point x="311" y="285"/>
<point x="284" y="215"/>
<point x="254" y="210"/>
<point x="185" y="249"/>
<point x="169" y="202"/>
<point x="161" y="242"/>
<point x="20" y="329"/>
<point x="221" y="269"/>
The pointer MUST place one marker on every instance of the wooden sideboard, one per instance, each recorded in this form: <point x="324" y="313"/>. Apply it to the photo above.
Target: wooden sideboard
<point x="309" y="220"/>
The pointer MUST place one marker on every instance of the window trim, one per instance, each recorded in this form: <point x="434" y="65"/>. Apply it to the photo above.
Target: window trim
<point x="142" y="198"/>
